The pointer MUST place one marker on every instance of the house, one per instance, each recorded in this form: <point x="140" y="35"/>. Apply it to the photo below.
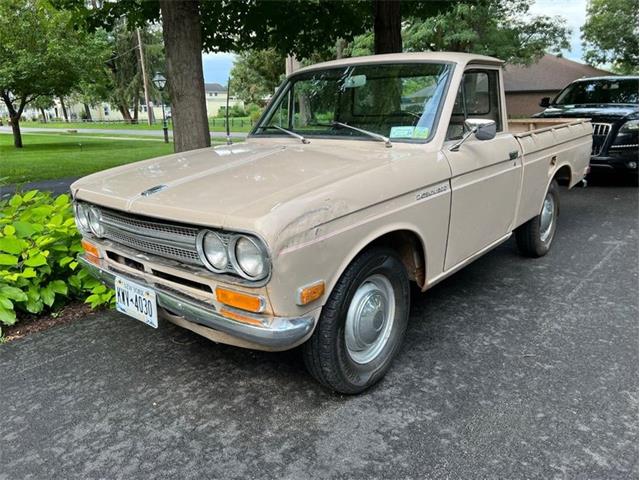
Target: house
<point x="216" y="96"/>
<point x="525" y="85"/>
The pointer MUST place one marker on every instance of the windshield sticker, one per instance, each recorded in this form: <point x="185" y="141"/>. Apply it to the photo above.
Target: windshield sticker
<point x="409" y="132"/>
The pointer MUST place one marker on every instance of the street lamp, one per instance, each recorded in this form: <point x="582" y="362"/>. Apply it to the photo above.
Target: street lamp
<point x="160" y="82"/>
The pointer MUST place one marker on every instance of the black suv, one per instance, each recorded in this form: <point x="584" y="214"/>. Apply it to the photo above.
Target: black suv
<point x="612" y="105"/>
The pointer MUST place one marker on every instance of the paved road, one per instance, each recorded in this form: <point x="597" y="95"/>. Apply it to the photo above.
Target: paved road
<point x="513" y="368"/>
<point x="114" y="131"/>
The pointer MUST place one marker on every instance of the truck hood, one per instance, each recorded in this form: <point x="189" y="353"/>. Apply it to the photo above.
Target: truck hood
<point x="249" y="186"/>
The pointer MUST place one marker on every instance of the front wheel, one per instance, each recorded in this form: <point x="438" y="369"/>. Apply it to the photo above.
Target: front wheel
<point x="534" y="238"/>
<point x="362" y="325"/>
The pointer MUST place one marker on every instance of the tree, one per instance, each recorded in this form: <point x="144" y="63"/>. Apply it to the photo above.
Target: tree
<point x="183" y="44"/>
<point x="499" y="28"/>
<point x="40" y="55"/>
<point x="300" y="27"/>
<point x="610" y="34"/>
<point x="256" y="74"/>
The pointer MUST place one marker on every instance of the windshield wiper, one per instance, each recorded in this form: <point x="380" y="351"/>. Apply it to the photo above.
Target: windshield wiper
<point x="288" y="132"/>
<point x="377" y="136"/>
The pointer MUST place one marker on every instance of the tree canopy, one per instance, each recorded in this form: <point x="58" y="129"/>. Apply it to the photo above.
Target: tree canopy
<point x="610" y="34"/>
<point x="498" y="28"/>
<point x="40" y="55"/>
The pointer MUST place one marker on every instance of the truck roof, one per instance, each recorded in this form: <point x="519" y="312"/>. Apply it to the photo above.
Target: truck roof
<point x="455" y="57"/>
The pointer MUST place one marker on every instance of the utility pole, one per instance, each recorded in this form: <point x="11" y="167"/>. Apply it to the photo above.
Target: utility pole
<point x="144" y="80"/>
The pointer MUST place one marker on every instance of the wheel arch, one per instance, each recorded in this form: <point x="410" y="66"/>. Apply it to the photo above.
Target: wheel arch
<point x="405" y="240"/>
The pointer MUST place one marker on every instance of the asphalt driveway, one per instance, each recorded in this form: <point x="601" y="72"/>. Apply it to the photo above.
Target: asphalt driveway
<point x="512" y="368"/>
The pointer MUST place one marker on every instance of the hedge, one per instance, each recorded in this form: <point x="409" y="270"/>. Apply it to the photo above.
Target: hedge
<point x="39" y="244"/>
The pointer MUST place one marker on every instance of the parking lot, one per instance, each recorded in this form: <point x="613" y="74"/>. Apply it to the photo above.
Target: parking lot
<point x="512" y="368"/>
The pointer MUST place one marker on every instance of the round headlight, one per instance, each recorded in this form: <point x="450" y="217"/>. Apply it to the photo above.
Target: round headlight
<point x="214" y="251"/>
<point x="250" y="258"/>
<point x="95" y="224"/>
<point x="82" y="219"/>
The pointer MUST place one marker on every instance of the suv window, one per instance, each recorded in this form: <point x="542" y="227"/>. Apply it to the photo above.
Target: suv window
<point x="478" y="97"/>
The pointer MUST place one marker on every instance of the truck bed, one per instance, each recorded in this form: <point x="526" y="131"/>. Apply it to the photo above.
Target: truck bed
<point x="548" y="144"/>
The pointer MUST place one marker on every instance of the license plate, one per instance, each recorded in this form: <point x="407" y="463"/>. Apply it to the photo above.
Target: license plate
<point x="136" y="301"/>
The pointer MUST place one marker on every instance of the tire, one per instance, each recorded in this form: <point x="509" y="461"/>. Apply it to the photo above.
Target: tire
<point x="362" y="325"/>
<point x="535" y="237"/>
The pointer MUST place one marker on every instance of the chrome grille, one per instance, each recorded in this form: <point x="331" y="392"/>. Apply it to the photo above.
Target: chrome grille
<point x="177" y="242"/>
<point x="600" y="134"/>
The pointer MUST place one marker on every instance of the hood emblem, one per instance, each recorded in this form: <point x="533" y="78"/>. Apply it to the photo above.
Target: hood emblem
<point x="152" y="190"/>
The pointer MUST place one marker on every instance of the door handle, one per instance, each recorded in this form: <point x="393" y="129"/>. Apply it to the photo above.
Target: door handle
<point x="513" y="155"/>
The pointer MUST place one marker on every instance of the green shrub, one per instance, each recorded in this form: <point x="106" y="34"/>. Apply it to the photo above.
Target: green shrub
<point x="39" y="244"/>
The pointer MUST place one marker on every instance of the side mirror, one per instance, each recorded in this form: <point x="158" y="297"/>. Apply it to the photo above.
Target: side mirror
<point x="482" y="128"/>
<point x="545" y="102"/>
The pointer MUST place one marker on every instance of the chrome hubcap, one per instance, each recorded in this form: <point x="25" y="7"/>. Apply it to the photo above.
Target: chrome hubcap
<point x="546" y="217"/>
<point x="369" y="319"/>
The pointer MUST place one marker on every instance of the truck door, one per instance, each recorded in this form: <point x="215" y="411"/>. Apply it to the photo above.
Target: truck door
<point x="485" y="174"/>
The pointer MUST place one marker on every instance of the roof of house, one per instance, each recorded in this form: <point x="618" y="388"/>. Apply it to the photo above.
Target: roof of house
<point x="214" y="87"/>
<point x="550" y="73"/>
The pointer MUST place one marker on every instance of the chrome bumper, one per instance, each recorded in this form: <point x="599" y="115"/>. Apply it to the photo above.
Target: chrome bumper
<point x="277" y="333"/>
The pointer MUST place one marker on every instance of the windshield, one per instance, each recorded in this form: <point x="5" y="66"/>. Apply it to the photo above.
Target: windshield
<point x="599" y="92"/>
<point x="399" y="101"/>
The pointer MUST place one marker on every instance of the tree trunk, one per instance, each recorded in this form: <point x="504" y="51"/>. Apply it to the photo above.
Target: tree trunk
<point x="87" y="113"/>
<point x="14" y="118"/>
<point x="44" y="115"/>
<point x="387" y="26"/>
<point x="136" y="110"/>
<point x="15" y="127"/>
<point x="64" y="110"/>
<point x="124" y="111"/>
<point x="183" y="47"/>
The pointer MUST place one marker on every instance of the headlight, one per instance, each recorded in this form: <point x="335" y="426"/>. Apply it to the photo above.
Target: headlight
<point x="213" y="251"/>
<point x="81" y="211"/>
<point x="249" y="258"/>
<point x="95" y="221"/>
<point x="629" y="127"/>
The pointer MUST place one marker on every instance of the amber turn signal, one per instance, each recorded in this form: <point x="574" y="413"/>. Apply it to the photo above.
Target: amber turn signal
<point x="244" y="301"/>
<point x="90" y="248"/>
<point x="310" y="293"/>
<point x="238" y="317"/>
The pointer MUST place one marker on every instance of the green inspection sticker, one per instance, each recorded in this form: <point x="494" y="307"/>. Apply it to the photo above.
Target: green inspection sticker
<point x="409" y="132"/>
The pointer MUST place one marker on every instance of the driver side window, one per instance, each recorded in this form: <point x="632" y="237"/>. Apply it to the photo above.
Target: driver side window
<point x="478" y="97"/>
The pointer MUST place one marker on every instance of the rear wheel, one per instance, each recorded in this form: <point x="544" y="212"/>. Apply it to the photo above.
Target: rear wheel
<point x="362" y="325"/>
<point x="534" y="238"/>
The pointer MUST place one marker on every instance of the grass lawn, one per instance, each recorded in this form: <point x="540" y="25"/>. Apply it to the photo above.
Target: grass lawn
<point x="52" y="156"/>
<point x="238" y="124"/>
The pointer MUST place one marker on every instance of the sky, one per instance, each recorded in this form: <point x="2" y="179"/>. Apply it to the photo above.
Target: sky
<point x="218" y="65"/>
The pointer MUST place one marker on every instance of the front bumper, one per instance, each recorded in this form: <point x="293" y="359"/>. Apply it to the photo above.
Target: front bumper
<point x="273" y="333"/>
<point x="622" y="160"/>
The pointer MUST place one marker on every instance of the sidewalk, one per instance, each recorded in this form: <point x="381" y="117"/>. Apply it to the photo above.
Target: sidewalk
<point x="56" y="186"/>
<point x="114" y="131"/>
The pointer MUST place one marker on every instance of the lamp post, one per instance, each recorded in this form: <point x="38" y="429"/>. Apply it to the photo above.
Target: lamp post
<point x="160" y="82"/>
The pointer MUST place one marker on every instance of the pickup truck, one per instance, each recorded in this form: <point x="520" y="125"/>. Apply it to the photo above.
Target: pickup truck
<point x="362" y="175"/>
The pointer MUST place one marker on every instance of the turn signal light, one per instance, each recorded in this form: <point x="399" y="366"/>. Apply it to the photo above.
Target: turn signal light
<point x="240" y="318"/>
<point x="243" y="301"/>
<point x="90" y="248"/>
<point x="310" y="293"/>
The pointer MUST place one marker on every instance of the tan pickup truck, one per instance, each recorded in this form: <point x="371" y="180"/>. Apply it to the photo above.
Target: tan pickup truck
<point x="362" y="175"/>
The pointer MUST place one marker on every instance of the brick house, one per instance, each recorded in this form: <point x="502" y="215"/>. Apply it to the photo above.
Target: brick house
<point x="526" y="85"/>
